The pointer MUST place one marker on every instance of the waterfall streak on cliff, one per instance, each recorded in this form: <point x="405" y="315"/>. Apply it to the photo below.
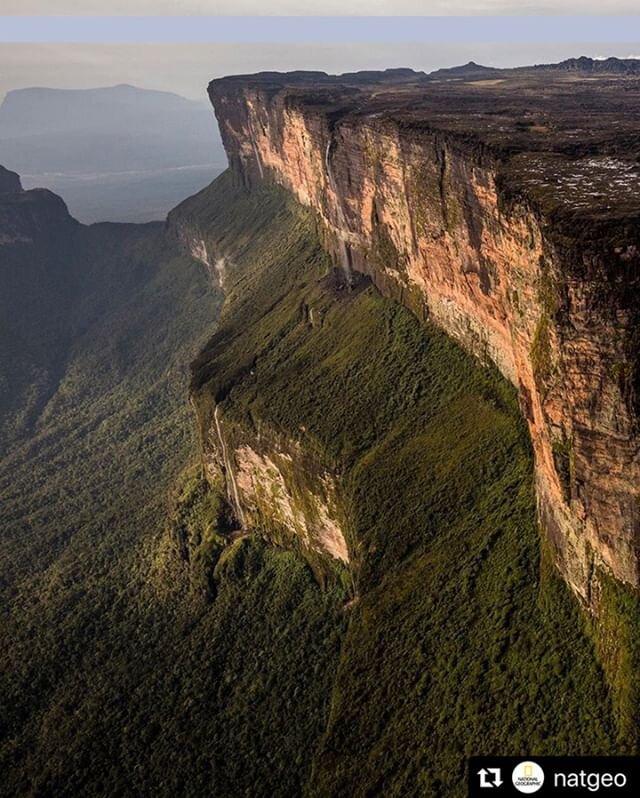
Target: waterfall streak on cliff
<point x="255" y="147"/>
<point x="231" y="479"/>
<point x="342" y="221"/>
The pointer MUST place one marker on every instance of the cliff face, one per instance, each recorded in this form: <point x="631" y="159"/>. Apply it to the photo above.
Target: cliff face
<point x="501" y="228"/>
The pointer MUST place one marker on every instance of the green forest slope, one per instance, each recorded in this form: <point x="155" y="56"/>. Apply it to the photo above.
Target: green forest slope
<point x="116" y="678"/>
<point x="461" y="638"/>
<point x="127" y="670"/>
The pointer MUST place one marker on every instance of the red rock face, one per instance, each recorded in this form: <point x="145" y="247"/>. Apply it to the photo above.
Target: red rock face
<point x="434" y="220"/>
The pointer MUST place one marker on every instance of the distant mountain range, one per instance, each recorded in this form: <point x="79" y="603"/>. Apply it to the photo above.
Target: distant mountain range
<point x="599" y="66"/>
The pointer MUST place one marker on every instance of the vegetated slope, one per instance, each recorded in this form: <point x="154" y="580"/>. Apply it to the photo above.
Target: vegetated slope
<point x="126" y="670"/>
<point x="36" y="272"/>
<point x="461" y="637"/>
<point x="117" y="676"/>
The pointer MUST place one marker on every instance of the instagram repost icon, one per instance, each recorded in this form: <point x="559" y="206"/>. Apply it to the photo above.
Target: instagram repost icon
<point x="528" y="777"/>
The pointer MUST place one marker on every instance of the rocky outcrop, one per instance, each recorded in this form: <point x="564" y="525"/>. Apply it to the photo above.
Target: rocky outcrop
<point x="193" y="241"/>
<point x="275" y="486"/>
<point x="484" y="210"/>
<point x="599" y="66"/>
<point x="9" y="182"/>
<point x="27" y="217"/>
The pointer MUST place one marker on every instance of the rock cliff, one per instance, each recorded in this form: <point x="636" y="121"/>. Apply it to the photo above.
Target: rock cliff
<point x="9" y="182"/>
<point x="489" y="207"/>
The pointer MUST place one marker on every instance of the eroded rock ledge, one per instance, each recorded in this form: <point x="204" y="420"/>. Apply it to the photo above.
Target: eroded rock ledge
<point x="485" y="207"/>
<point x="277" y="487"/>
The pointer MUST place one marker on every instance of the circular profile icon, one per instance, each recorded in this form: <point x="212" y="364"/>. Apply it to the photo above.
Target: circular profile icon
<point x="528" y="777"/>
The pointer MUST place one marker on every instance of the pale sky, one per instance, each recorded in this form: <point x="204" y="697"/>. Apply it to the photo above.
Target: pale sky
<point x="317" y="7"/>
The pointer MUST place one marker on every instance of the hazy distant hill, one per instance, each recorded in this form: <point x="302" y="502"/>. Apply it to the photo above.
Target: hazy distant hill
<point x="118" y="153"/>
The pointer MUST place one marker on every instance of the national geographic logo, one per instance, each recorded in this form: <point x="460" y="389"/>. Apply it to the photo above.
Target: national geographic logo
<point x="527" y="777"/>
<point x="548" y="775"/>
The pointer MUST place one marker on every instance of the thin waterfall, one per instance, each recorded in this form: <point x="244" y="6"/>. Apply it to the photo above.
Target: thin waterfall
<point x="252" y="138"/>
<point x="345" y="259"/>
<point x="232" y="487"/>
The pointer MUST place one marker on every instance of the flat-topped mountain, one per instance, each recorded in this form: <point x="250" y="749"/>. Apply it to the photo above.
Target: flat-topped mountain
<point x="508" y="209"/>
<point x="505" y="208"/>
<point x="118" y="153"/>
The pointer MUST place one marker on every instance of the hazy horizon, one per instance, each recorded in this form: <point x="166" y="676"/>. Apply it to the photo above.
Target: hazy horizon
<point x="186" y="69"/>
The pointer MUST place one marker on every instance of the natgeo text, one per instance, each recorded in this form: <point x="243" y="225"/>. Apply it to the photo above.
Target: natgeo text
<point x="547" y="776"/>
